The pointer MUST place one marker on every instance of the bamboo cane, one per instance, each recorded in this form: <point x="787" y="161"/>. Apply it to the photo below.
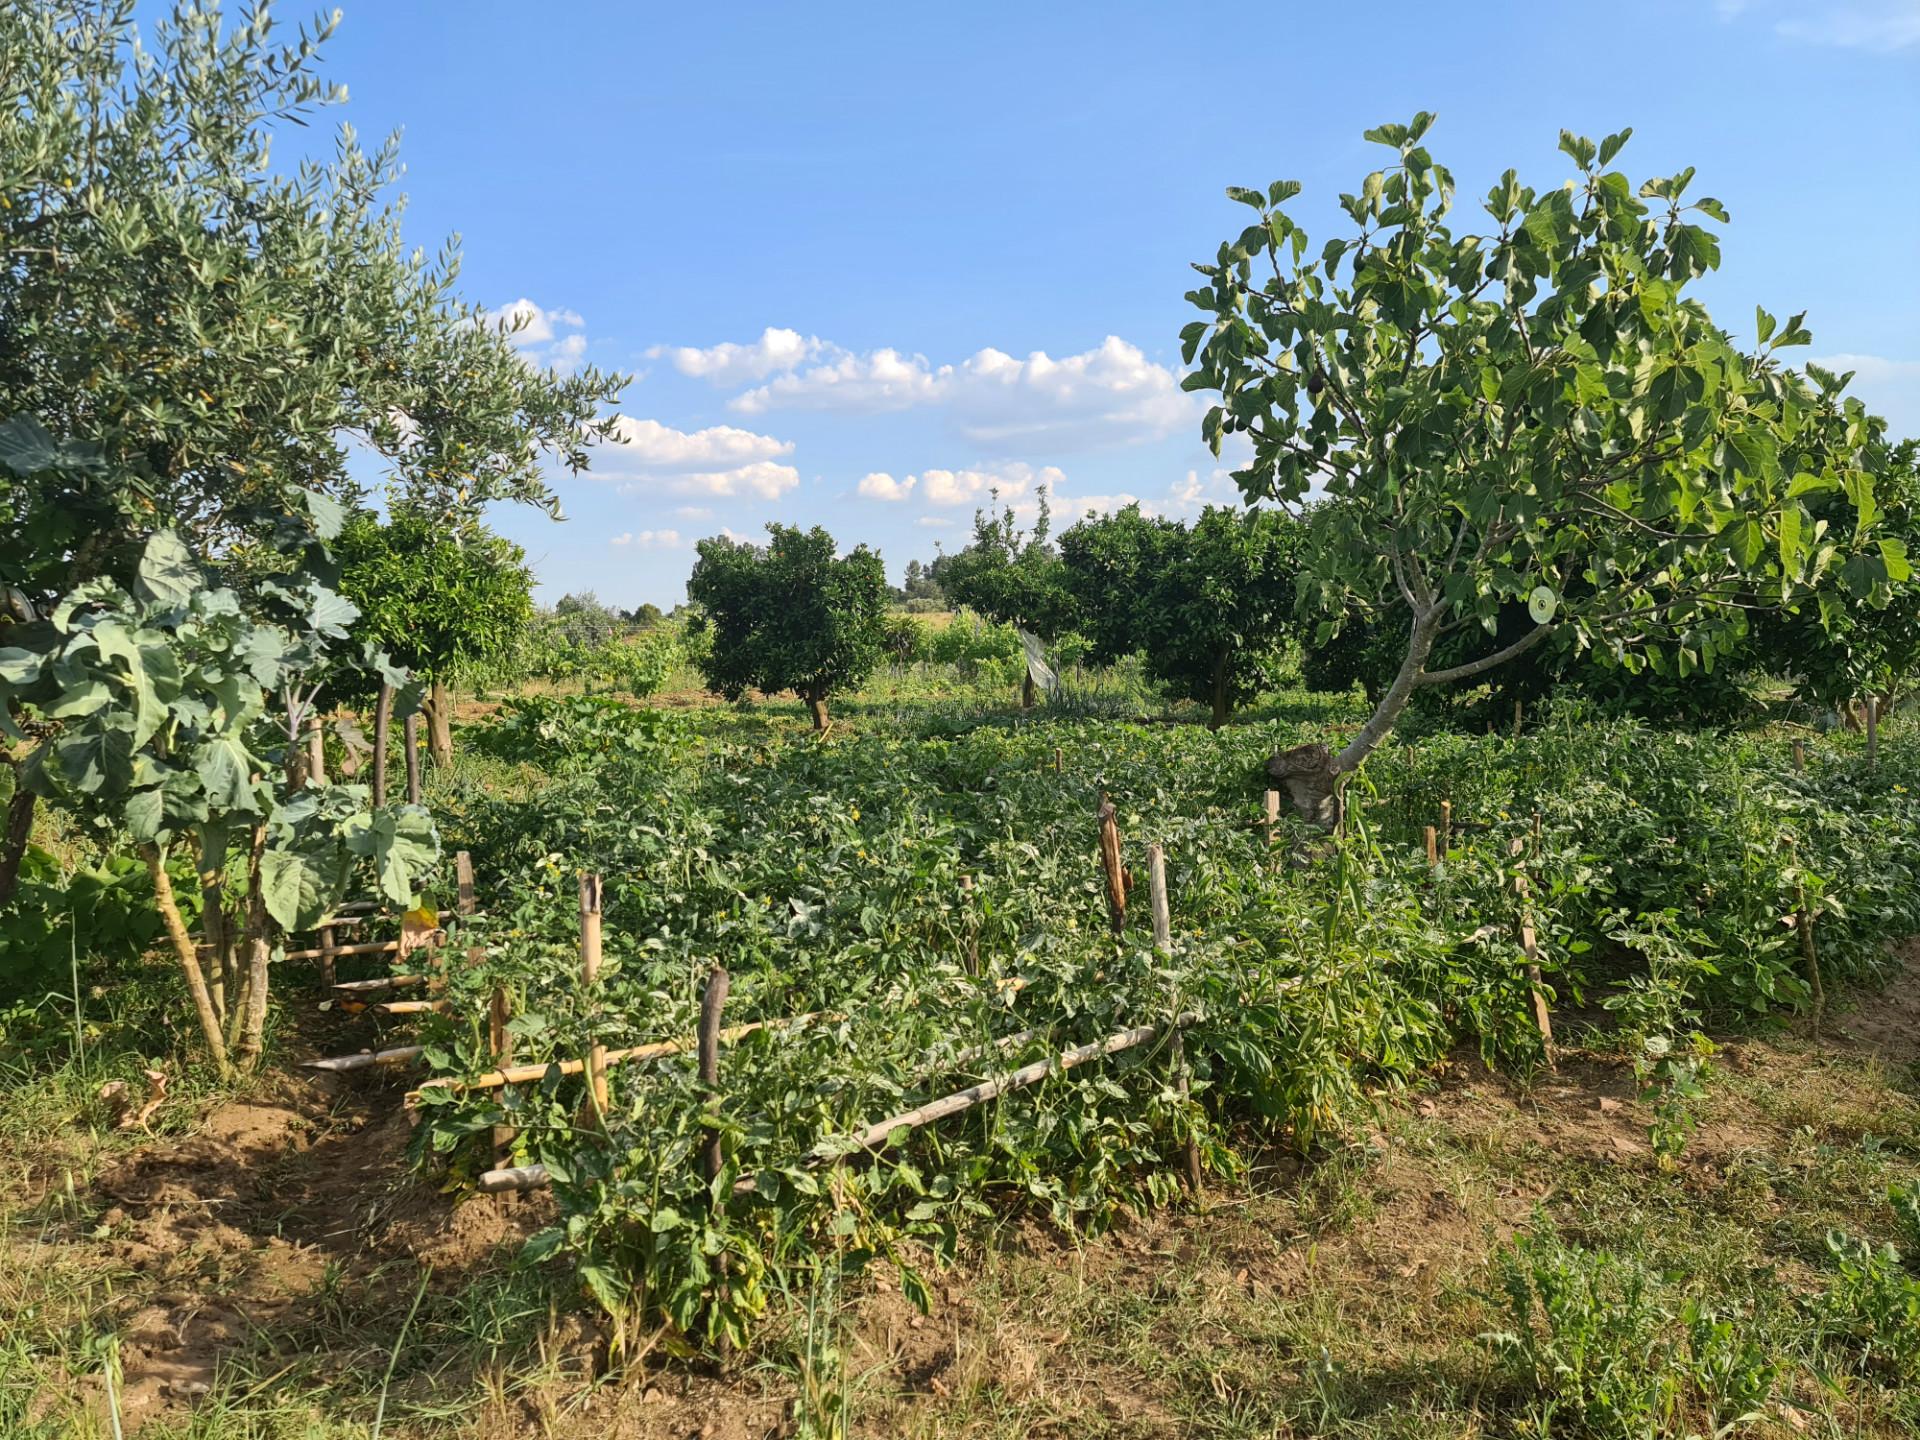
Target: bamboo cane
<point x="590" y="986"/>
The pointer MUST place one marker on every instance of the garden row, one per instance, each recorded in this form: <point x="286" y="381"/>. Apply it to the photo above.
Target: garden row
<point x="937" y="910"/>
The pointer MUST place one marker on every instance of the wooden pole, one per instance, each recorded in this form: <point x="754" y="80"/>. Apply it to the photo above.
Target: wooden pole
<point x="1433" y="847"/>
<point x="316" y="750"/>
<point x="326" y="955"/>
<point x="411" y="730"/>
<point x="500" y="1044"/>
<point x="966" y="918"/>
<point x="1531" y="948"/>
<point x="1518" y="712"/>
<point x="1799" y="755"/>
<point x="590" y="985"/>
<point x="711" y="1155"/>
<point x="1112" y="865"/>
<point x="1446" y="827"/>
<point x="1873" y="731"/>
<point x="1057" y="760"/>
<point x="365" y="947"/>
<point x="1163" y="942"/>
<point x="712" y="1002"/>
<point x="1272" y="821"/>
<point x="382" y="723"/>
<point x="463" y="875"/>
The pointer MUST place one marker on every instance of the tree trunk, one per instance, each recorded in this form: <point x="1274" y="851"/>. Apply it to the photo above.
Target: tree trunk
<point x="382" y="723"/>
<point x="1026" y="690"/>
<point x="1220" y="706"/>
<point x="183" y="950"/>
<point x="259" y="955"/>
<point x="817" y="707"/>
<point x="440" y="724"/>
<point x="13" y="849"/>
<point x="1312" y="773"/>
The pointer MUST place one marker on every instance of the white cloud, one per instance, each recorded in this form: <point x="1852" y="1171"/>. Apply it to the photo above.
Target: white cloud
<point x="551" y="339"/>
<point x="1111" y="394"/>
<point x="863" y="384"/>
<point x="762" y="478"/>
<point x="658" y="446"/>
<point x="732" y="364"/>
<point x="650" y="539"/>
<point x="722" y="460"/>
<point x="694" y="512"/>
<point x="1886" y="387"/>
<point x="881" y="486"/>
<point x="934" y="522"/>
<point x="1880" y="25"/>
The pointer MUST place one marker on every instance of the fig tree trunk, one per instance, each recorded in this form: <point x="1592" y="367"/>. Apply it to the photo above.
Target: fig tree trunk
<point x="13" y="849"/>
<point x="189" y="959"/>
<point x="1026" y="690"/>
<point x="817" y="708"/>
<point x="440" y="724"/>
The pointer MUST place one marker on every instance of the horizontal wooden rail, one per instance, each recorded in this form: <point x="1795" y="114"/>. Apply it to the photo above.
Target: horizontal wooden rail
<point x="534" y="1177"/>
<point x="365" y="1060"/>
<point x="383" y="982"/>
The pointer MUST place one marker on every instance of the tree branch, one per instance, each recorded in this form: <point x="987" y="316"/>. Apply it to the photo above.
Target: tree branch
<point x="1486" y="662"/>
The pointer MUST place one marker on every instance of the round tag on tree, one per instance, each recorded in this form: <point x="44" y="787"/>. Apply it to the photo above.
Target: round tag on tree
<point x="1541" y="604"/>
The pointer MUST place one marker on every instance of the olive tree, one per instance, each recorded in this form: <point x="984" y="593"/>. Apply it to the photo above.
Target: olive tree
<point x="435" y="598"/>
<point x="1013" y="578"/>
<point x="790" y="615"/>
<point x="190" y="342"/>
<point x="1535" y="411"/>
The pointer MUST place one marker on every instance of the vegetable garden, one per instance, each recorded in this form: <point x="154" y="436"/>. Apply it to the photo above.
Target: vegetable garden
<point x="891" y="941"/>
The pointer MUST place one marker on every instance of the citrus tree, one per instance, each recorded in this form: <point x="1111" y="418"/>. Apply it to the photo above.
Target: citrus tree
<point x="790" y="615"/>
<point x="436" y="598"/>
<point x="1531" y="411"/>
<point x="1012" y="577"/>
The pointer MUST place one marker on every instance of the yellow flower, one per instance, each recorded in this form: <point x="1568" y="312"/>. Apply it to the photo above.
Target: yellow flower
<point x="854" y="811"/>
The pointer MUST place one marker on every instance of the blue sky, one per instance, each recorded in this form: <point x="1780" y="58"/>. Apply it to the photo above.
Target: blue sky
<point x="868" y="261"/>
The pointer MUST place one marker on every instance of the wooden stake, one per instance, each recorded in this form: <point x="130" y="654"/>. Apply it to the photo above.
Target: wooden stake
<point x="326" y="955"/>
<point x="1518" y="711"/>
<point x="712" y="1156"/>
<point x="1272" y="821"/>
<point x="316" y="750"/>
<point x="1873" y="731"/>
<point x="500" y="1044"/>
<point x="1112" y="865"/>
<point x="966" y="913"/>
<point x="1433" y="847"/>
<point x="1163" y="942"/>
<point x="1799" y="755"/>
<point x="1446" y="827"/>
<point x="590" y="985"/>
<point x="463" y="875"/>
<point x="1530" y="946"/>
<point x="1057" y="760"/>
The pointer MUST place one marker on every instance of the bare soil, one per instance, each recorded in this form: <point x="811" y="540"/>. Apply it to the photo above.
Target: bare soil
<point x="251" y="1226"/>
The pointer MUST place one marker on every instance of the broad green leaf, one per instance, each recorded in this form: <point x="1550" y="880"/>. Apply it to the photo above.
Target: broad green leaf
<point x="226" y="768"/>
<point x="167" y="576"/>
<point x="299" y="885"/>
